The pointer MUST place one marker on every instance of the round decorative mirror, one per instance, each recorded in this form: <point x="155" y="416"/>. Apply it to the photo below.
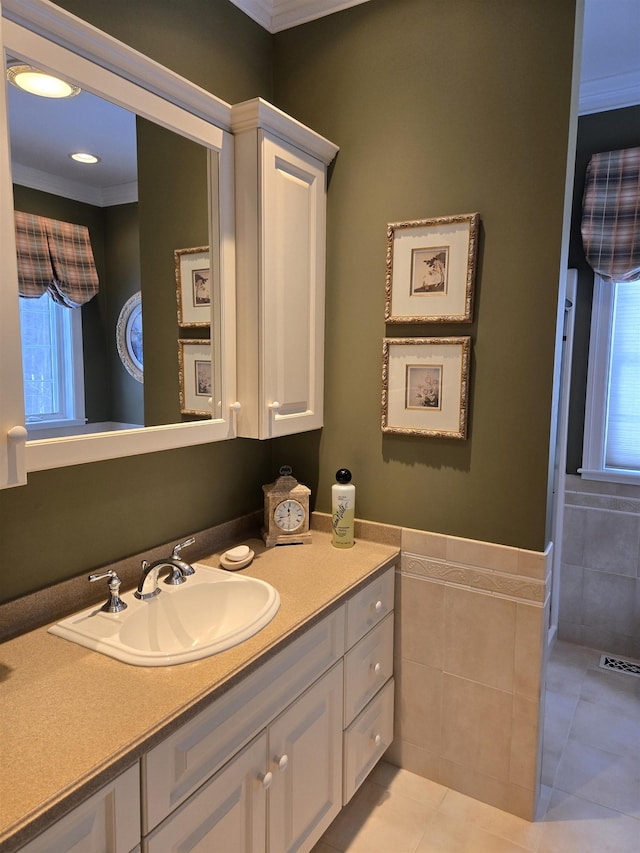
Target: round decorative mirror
<point x="129" y="336"/>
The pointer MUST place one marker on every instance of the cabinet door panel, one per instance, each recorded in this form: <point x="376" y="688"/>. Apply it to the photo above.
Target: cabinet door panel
<point x="108" y="822"/>
<point x="292" y="307"/>
<point x="307" y="794"/>
<point x="228" y="813"/>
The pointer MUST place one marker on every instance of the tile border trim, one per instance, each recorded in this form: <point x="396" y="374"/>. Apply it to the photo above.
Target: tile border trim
<point x="483" y="580"/>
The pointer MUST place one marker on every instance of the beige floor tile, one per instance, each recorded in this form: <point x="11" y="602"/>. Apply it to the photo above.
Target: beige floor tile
<point x="473" y="813"/>
<point x="447" y="834"/>
<point x="573" y="825"/>
<point x="559" y="712"/>
<point x="603" y="728"/>
<point x="397" y="781"/>
<point x="601" y="777"/>
<point x="566" y="668"/>
<point x="612" y="690"/>
<point x="323" y="847"/>
<point x="379" y="821"/>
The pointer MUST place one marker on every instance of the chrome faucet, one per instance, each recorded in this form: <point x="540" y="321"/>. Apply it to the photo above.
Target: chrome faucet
<point x="115" y="604"/>
<point x="178" y="570"/>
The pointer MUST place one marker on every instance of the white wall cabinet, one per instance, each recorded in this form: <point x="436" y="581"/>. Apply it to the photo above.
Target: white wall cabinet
<point x="280" y="168"/>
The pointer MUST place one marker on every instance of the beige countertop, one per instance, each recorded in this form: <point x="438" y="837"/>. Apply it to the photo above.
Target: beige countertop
<point x="73" y="719"/>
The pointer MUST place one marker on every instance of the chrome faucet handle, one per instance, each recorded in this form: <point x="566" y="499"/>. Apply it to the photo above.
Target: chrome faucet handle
<point x="186" y="568"/>
<point x="177" y="548"/>
<point x="115" y="604"/>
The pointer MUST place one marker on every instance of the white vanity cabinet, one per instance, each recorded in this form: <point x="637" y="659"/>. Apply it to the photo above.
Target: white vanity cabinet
<point x="279" y="793"/>
<point x="108" y="822"/>
<point x="290" y="710"/>
<point x="281" y="169"/>
<point x="267" y="765"/>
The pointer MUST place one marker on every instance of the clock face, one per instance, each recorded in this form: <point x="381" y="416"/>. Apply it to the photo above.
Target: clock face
<point x="288" y="515"/>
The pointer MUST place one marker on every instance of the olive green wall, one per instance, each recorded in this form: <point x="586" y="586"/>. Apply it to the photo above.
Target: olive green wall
<point x="67" y="521"/>
<point x="174" y="214"/>
<point x="608" y="131"/>
<point x="123" y="274"/>
<point x="440" y="108"/>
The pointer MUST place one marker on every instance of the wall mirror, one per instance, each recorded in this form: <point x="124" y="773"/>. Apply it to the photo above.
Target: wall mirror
<point x="165" y="185"/>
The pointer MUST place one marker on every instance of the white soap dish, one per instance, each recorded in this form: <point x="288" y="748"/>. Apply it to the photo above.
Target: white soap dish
<point x="237" y="558"/>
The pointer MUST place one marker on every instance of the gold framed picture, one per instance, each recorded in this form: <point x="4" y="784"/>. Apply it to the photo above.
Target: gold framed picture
<point x="196" y="377"/>
<point x="193" y="286"/>
<point x="431" y="269"/>
<point x="425" y="386"/>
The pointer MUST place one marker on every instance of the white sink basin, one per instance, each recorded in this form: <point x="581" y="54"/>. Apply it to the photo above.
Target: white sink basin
<point x="211" y="612"/>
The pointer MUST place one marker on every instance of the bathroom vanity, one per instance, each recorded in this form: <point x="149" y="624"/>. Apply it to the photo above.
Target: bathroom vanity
<point x="256" y="748"/>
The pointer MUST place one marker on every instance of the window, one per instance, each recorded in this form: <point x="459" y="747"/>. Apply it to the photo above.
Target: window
<point x="612" y="416"/>
<point x="52" y="366"/>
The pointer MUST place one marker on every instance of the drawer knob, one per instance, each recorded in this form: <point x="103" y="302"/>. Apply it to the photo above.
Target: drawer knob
<point x="266" y="779"/>
<point x="282" y="762"/>
<point x="376" y="668"/>
<point x="377" y="740"/>
<point x="378" y="607"/>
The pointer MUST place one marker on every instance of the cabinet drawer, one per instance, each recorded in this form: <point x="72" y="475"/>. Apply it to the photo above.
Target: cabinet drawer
<point x="367" y="666"/>
<point x="366" y="739"/>
<point x="369" y="606"/>
<point x="180" y="764"/>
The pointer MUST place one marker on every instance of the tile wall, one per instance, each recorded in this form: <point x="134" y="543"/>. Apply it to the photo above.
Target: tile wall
<point x="471" y="625"/>
<point x="600" y="571"/>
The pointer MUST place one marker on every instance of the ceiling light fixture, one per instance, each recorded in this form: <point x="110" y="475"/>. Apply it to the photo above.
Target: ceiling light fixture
<point x="84" y="157"/>
<point x="31" y="79"/>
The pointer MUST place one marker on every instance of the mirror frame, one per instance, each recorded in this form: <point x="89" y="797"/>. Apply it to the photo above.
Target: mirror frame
<point x="44" y="34"/>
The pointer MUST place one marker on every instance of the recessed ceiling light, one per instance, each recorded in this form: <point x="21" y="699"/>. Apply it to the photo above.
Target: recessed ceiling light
<point x="37" y="82"/>
<point x="84" y="157"/>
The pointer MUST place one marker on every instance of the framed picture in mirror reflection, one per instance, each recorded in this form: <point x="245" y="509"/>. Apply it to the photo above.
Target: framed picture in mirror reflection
<point x="196" y="385"/>
<point x="193" y="286"/>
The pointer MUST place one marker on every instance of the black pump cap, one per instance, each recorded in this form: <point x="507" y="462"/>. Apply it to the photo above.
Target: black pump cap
<point x="343" y="475"/>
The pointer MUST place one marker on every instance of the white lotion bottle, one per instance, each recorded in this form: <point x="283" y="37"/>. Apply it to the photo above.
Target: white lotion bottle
<point x="343" y="503"/>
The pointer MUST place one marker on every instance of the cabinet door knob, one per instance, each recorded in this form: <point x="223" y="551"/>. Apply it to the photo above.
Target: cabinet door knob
<point x="376" y="668"/>
<point x="266" y="779"/>
<point x="274" y="406"/>
<point x="378" y="606"/>
<point x="17" y="434"/>
<point x="282" y="762"/>
<point x="377" y="740"/>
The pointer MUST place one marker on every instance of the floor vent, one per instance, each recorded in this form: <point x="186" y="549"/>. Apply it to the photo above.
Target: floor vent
<point x="620" y="665"/>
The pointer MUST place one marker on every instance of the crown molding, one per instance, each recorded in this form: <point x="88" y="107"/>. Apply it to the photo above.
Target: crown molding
<point x="25" y="176"/>
<point x="255" y="113"/>
<point x="610" y="93"/>
<point x="277" y="15"/>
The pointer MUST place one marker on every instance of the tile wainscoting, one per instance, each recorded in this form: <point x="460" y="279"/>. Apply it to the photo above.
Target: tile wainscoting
<point x="471" y="627"/>
<point x="600" y="571"/>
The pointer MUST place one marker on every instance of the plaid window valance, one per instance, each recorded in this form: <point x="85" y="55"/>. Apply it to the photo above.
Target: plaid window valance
<point x="56" y="257"/>
<point x="611" y="214"/>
